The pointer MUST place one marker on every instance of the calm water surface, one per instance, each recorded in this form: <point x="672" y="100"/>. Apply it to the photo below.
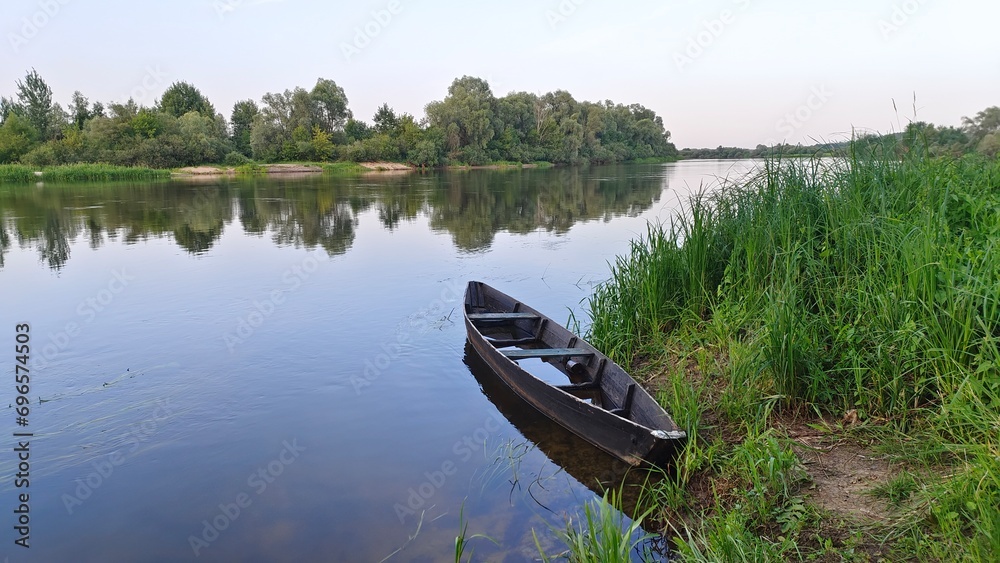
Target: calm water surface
<point x="276" y="370"/>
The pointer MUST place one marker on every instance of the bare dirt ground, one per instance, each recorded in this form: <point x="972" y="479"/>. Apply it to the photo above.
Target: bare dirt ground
<point x="204" y="171"/>
<point x="193" y="171"/>
<point x="292" y="169"/>
<point x="271" y="169"/>
<point x="841" y="472"/>
<point x="385" y="166"/>
<point x="843" y="476"/>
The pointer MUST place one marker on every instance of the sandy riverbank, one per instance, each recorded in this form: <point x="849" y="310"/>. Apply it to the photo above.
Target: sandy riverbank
<point x="208" y="171"/>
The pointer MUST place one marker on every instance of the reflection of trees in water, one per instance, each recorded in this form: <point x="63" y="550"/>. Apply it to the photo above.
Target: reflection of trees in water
<point x="317" y="212"/>
<point x="196" y="241"/>
<point x="200" y="218"/>
<point x="55" y="247"/>
<point x="4" y="242"/>
<point x="332" y="229"/>
<point x="50" y="218"/>
<point x="298" y="215"/>
<point x="474" y="207"/>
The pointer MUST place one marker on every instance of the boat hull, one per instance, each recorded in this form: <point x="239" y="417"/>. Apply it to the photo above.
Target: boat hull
<point x="646" y="435"/>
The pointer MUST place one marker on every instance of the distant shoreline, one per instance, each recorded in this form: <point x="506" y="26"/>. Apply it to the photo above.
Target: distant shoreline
<point x="83" y="172"/>
<point x="381" y="166"/>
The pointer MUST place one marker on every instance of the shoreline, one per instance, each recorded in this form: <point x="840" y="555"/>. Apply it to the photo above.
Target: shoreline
<point x="82" y="172"/>
<point x="365" y="167"/>
<point x="269" y="169"/>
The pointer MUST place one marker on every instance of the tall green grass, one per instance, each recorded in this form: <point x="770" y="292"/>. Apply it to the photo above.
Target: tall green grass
<point x="251" y="169"/>
<point x="100" y="173"/>
<point x="343" y="168"/>
<point x="16" y="174"/>
<point x="603" y="535"/>
<point x="869" y="282"/>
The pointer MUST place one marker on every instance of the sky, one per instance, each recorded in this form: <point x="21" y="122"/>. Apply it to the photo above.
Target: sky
<point x="719" y="72"/>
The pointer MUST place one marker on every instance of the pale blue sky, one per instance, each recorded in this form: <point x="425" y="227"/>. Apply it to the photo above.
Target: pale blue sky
<point x="720" y="72"/>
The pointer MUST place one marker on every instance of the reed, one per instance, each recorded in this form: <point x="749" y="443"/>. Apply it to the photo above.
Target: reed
<point x="603" y="535"/>
<point x="16" y="174"/>
<point x="343" y="168"/>
<point x="100" y="173"/>
<point x="250" y="169"/>
<point x="868" y="283"/>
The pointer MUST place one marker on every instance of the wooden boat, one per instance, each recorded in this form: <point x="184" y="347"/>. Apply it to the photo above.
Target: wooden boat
<point x="592" y="467"/>
<point x="600" y="402"/>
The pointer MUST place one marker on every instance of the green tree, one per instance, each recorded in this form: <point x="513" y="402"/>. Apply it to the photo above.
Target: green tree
<point x="17" y="136"/>
<point x="124" y="111"/>
<point x="276" y="108"/>
<point x="322" y="146"/>
<point x="147" y="123"/>
<point x="202" y="138"/>
<point x="408" y="134"/>
<point x="243" y="115"/>
<point x="34" y="99"/>
<point x="266" y="139"/>
<point x="560" y="126"/>
<point x="357" y="130"/>
<point x="385" y="120"/>
<point x="300" y="146"/>
<point x="329" y="103"/>
<point x="80" y="111"/>
<point x="181" y="98"/>
<point x="426" y="153"/>
<point x="7" y="107"/>
<point x="951" y="140"/>
<point x="465" y="115"/>
<point x="281" y="115"/>
<point x="990" y="145"/>
<point x="985" y="123"/>
<point x="516" y="129"/>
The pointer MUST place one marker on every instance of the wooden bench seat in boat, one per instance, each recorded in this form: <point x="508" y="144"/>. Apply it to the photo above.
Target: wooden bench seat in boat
<point x="502" y="316"/>
<point x="546" y="353"/>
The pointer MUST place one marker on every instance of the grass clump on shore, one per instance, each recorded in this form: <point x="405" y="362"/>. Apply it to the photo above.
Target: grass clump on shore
<point x="343" y="168"/>
<point x="654" y="160"/>
<point x="16" y="174"/>
<point x="100" y="172"/>
<point x="250" y="169"/>
<point x="855" y="301"/>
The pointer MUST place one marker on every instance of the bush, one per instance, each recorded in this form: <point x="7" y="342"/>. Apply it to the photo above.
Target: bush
<point x="251" y="169"/>
<point x="42" y="155"/>
<point x="236" y="159"/>
<point x="473" y="156"/>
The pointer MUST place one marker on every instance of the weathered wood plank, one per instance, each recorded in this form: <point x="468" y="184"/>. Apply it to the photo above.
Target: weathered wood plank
<point x="501" y="316"/>
<point x="515" y="342"/>
<point x="626" y="409"/>
<point x="546" y="353"/>
<point x="580" y="387"/>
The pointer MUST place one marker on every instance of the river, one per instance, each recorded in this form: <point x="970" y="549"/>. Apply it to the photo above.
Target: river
<point x="276" y="369"/>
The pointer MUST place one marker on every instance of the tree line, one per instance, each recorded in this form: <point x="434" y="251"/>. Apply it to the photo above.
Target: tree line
<point x="182" y="128"/>
<point x="977" y="134"/>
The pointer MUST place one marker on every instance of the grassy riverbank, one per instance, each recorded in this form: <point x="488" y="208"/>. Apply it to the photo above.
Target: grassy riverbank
<point x="828" y="334"/>
<point x="86" y="172"/>
<point x="18" y="174"/>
